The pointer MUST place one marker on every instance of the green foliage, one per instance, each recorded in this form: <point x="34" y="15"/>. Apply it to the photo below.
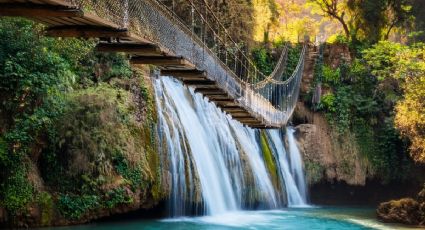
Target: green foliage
<point x="16" y="191"/>
<point x="383" y="58"/>
<point x="266" y="62"/>
<point x="3" y="151"/>
<point x="34" y="72"/>
<point x="327" y="102"/>
<point x="337" y="39"/>
<point x="131" y="174"/>
<point x="357" y="105"/>
<point x="263" y="60"/>
<point x="367" y="20"/>
<point x="117" y="196"/>
<point x="391" y="157"/>
<point x="314" y="171"/>
<point x="74" y="111"/>
<point x="46" y="203"/>
<point x="401" y="70"/>
<point x="384" y="149"/>
<point x="294" y="53"/>
<point x="331" y="76"/>
<point x="73" y="206"/>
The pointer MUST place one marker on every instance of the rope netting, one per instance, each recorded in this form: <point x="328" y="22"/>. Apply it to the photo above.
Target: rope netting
<point x="191" y="29"/>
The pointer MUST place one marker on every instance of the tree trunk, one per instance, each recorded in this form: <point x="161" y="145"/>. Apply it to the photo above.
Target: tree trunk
<point x="344" y="26"/>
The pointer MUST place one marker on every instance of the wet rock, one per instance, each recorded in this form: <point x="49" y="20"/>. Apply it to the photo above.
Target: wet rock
<point x="328" y="155"/>
<point x="405" y="211"/>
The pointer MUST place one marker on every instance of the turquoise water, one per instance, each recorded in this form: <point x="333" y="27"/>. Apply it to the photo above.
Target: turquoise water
<point x="309" y="218"/>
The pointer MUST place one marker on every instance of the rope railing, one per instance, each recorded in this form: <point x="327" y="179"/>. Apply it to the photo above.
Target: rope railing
<point x="278" y="71"/>
<point x="192" y="30"/>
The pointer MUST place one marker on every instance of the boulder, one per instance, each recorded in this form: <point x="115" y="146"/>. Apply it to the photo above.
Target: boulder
<point x="405" y="211"/>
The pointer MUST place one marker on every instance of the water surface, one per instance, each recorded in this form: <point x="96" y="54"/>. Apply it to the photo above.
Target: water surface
<point x="294" y="218"/>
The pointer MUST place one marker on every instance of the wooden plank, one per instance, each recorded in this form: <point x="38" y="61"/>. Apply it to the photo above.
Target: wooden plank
<point x="57" y="2"/>
<point x="185" y="74"/>
<point x="62" y="21"/>
<point x="161" y="61"/>
<point x="241" y="113"/>
<point x="210" y="91"/>
<point x="100" y="21"/>
<point x="130" y="48"/>
<point x="220" y="97"/>
<point x="86" y="32"/>
<point x="201" y="83"/>
<point x="190" y="79"/>
<point x="47" y="21"/>
<point x="35" y="10"/>
<point x="259" y="127"/>
<point x="233" y="109"/>
<point x="250" y="121"/>
<point x="84" y="21"/>
<point x="240" y="116"/>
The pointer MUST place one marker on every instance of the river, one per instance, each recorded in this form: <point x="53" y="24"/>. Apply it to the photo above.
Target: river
<point x="329" y="218"/>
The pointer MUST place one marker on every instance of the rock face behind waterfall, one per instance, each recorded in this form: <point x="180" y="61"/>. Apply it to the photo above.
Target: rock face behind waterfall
<point x="325" y="158"/>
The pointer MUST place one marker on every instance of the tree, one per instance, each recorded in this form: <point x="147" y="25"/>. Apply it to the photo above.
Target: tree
<point x="406" y="65"/>
<point x="410" y="116"/>
<point x="370" y="20"/>
<point x="334" y="9"/>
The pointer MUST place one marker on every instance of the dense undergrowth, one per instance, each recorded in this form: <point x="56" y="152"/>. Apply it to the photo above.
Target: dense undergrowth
<point x="76" y="126"/>
<point x="365" y="97"/>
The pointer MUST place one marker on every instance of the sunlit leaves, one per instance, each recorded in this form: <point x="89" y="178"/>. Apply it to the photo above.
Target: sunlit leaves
<point x="407" y="65"/>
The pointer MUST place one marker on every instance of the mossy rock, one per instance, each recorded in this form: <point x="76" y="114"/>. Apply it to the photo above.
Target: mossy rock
<point x="314" y="172"/>
<point x="268" y="158"/>
<point x="405" y="211"/>
<point x="46" y="204"/>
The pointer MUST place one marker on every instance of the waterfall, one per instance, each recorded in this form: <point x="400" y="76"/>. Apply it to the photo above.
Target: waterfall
<point x="215" y="162"/>
<point x="296" y="165"/>
<point x="288" y="164"/>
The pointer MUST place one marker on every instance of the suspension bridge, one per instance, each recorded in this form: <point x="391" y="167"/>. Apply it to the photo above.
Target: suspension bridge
<point x="187" y="42"/>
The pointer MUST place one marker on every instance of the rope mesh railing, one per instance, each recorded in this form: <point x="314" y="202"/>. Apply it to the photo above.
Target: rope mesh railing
<point x="191" y="30"/>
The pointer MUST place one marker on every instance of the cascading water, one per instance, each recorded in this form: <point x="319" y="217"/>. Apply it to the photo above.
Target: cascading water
<point x="296" y="165"/>
<point x="288" y="164"/>
<point x="217" y="162"/>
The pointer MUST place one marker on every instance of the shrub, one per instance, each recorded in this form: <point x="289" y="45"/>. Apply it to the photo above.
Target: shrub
<point x="117" y="196"/>
<point x="73" y="207"/>
<point x="131" y="174"/>
<point x="331" y="76"/>
<point x="16" y="190"/>
<point x="327" y="102"/>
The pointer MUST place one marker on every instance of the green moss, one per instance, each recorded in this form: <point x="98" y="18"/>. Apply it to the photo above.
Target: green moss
<point x="132" y="174"/>
<point x="46" y="205"/>
<point x="314" y="171"/>
<point x="268" y="157"/>
<point x="115" y="197"/>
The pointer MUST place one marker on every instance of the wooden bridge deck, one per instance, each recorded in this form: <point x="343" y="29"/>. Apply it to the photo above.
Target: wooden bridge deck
<point x="62" y="20"/>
